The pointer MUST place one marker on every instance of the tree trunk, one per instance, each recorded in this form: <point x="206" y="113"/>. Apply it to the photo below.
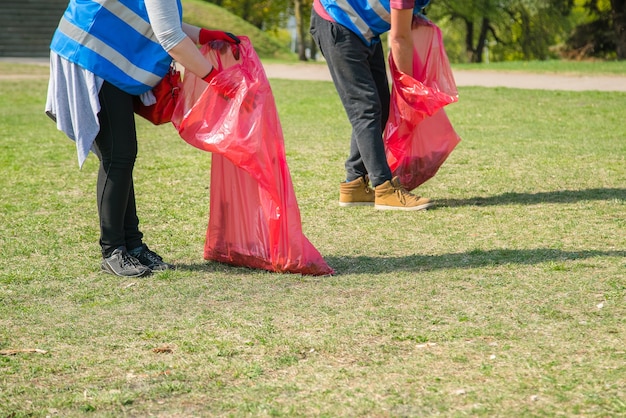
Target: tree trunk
<point x="618" y="8"/>
<point x="301" y="28"/>
<point x="313" y="48"/>
<point x="482" y="40"/>
<point x="469" y="40"/>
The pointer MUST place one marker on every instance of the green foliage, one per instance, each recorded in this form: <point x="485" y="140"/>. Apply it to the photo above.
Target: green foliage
<point x="530" y="29"/>
<point x="506" y="300"/>
<point x="453" y="31"/>
<point x="210" y="16"/>
<point x="512" y="30"/>
<point x="264" y="14"/>
<point x="594" y="36"/>
<point x="273" y="16"/>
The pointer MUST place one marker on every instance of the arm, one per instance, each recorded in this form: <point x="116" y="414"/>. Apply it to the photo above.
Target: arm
<point x="192" y="31"/>
<point x="401" y="40"/>
<point x="188" y="55"/>
<point x="178" y="40"/>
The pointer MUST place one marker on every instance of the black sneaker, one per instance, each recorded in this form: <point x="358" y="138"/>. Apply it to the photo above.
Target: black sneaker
<point x="150" y="259"/>
<point x="122" y="264"/>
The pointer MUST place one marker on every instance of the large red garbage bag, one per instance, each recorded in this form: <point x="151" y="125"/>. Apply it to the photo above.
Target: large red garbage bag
<point x="254" y="219"/>
<point x="418" y="135"/>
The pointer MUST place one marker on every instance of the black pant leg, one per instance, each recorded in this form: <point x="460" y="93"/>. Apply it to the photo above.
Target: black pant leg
<point x="116" y="144"/>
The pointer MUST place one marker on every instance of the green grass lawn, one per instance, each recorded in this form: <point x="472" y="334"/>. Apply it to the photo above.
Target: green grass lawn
<point x="507" y="299"/>
<point x="617" y="68"/>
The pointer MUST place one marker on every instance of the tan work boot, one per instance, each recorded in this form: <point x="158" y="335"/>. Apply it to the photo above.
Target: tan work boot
<point x="392" y="196"/>
<point x="356" y="193"/>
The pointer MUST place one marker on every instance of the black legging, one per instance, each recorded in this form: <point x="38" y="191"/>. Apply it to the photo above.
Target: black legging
<point x="116" y="146"/>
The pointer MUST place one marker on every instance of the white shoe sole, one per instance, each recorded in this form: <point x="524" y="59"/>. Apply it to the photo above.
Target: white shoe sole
<point x="405" y="208"/>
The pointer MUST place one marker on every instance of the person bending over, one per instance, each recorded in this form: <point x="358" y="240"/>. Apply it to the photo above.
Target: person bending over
<point x="103" y="54"/>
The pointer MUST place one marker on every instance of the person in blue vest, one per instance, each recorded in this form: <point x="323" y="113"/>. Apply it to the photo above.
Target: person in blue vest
<point x="347" y="33"/>
<point x="103" y="54"/>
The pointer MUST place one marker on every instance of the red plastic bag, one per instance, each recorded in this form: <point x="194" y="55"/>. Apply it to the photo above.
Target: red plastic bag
<point x="165" y="94"/>
<point x="254" y="220"/>
<point x="418" y="135"/>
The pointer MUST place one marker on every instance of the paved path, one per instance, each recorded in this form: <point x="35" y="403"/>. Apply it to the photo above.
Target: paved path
<point x="482" y="78"/>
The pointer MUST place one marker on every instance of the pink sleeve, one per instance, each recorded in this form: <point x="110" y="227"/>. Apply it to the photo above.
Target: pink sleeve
<point x="402" y="4"/>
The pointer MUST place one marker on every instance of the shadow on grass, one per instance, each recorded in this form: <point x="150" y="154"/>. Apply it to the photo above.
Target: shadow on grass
<point x="210" y="266"/>
<point x="560" y="196"/>
<point x="470" y="259"/>
<point x="422" y="263"/>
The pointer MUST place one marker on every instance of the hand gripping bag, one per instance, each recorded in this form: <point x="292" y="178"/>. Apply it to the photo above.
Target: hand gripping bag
<point x="254" y="220"/>
<point x="418" y="136"/>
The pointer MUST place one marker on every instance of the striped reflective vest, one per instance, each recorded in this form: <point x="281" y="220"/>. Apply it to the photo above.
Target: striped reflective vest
<point x="367" y="18"/>
<point x="114" y="40"/>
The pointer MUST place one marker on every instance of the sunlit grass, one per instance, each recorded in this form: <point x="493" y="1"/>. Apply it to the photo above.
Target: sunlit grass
<point x="552" y="66"/>
<point x="507" y="299"/>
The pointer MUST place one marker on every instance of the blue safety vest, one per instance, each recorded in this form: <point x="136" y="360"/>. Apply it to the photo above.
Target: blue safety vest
<point x="367" y="18"/>
<point x="114" y="40"/>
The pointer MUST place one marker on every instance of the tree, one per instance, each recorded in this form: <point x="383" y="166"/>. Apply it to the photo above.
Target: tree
<point x="618" y="11"/>
<point x="539" y="25"/>
<point x="517" y="29"/>
<point x="475" y="18"/>
<point x="273" y="14"/>
<point x="302" y="13"/>
<point x="603" y="33"/>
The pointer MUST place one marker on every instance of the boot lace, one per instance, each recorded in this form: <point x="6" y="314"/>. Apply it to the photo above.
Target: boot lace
<point x="366" y="185"/>
<point x="403" y="194"/>
<point x="153" y="257"/>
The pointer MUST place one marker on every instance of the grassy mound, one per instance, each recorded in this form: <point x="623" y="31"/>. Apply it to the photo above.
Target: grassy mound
<point x="210" y="16"/>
